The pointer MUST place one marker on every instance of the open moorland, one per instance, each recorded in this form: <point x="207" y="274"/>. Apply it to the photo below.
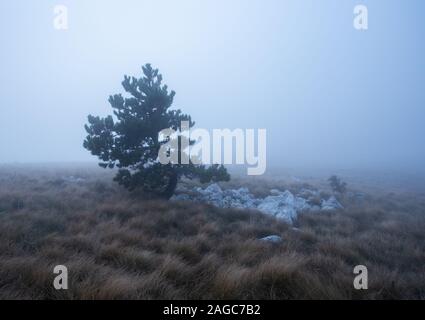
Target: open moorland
<point x="120" y="245"/>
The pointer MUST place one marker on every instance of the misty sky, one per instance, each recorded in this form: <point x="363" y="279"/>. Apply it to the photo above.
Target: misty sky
<point x="328" y="94"/>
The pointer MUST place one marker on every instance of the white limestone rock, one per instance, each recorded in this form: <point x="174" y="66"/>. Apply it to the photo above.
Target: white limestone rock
<point x="280" y="204"/>
<point x="273" y="239"/>
<point x="331" y="204"/>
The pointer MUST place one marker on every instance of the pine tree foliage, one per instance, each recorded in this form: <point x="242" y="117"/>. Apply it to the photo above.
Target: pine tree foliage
<point x="129" y="139"/>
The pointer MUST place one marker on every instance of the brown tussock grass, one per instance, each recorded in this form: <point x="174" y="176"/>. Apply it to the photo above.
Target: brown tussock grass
<point x="120" y="246"/>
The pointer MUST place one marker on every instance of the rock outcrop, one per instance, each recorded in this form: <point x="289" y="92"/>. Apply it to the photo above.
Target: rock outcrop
<point x="282" y="204"/>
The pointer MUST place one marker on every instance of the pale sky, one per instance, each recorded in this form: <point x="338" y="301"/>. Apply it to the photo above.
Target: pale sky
<point x="328" y="94"/>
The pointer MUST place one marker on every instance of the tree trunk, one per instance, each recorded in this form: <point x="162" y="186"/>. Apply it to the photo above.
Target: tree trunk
<point x="171" y="187"/>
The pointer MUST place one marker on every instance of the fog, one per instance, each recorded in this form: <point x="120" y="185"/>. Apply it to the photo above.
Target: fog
<point x="330" y="96"/>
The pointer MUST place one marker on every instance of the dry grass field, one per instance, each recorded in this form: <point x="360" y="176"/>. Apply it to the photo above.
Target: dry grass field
<point x="118" y="245"/>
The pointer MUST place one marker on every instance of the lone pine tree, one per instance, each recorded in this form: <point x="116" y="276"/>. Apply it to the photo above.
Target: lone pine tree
<point x="131" y="143"/>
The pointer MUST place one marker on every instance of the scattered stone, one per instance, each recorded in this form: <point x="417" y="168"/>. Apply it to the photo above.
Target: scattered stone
<point x="331" y="204"/>
<point x="281" y="204"/>
<point x="308" y="193"/>
<point x="272" y="239"/>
